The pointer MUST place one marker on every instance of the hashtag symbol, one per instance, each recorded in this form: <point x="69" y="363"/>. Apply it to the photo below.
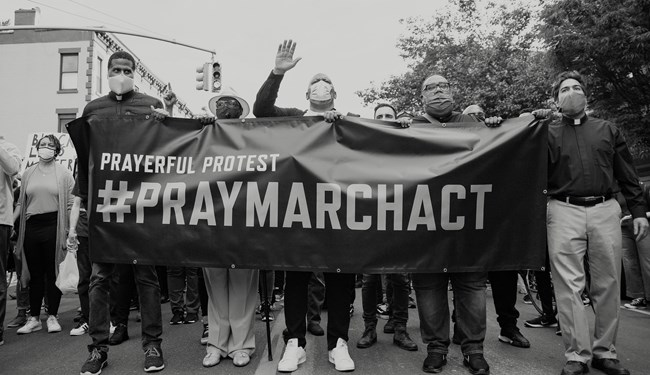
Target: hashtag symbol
<point x="113" y="201"/>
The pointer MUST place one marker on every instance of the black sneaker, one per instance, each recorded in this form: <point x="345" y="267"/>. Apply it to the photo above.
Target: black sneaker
<point x="513" y="337"/>
<point x="476" y="364"/>
<point x="204" y="336"/>
<point x="96" y="361"/>
<point x="19" y="320"/>
<point x="153" y="359"/>
<point x="120" y="335"/>
<point x="191" y="318"/>
<point x="541" y="321"/>
<point x="434" y="362"/>
<point x="177" y="318"/>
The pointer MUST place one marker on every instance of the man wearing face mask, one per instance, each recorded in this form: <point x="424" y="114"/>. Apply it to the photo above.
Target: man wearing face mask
<point x="588" y="162"/>
<point x="431" y="288"/>
<point x="122" y="100"/>
<point x="339" y="287"/>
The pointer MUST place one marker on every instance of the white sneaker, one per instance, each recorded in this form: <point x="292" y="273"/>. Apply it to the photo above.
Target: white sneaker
<point x="53" y="324"/>
<point x="340" y="357"/>
<point x="111" y="329"/>
<point x="33" y="324"/>
<point x="80" y="329"/>
<point x="293" y="356"/>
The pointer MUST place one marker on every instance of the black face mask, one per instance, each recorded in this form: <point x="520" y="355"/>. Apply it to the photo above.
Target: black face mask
<point x="228" y="113"/>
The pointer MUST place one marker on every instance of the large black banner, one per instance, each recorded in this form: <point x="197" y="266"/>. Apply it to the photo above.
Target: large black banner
<point x="303" y="194"/>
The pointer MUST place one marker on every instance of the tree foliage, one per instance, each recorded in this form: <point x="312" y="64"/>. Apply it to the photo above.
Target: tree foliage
<point x="486" y="51"/>
<point x="609" y="42"/>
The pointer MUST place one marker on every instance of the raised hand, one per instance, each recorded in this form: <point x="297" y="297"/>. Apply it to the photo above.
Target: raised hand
<point x="284" y="60"/>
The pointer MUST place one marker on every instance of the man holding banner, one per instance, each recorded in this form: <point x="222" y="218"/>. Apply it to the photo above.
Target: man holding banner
<point x="339" y="287"/>
<point x="122" y="100"/>
<point x="431" y="288"/>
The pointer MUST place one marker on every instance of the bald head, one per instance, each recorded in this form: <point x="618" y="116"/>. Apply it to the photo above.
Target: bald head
<point x="321" y="93"/>
<point x="476" y="111"/>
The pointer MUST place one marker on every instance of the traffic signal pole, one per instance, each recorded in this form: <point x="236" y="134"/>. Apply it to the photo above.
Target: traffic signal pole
<point x="105" y="30"/>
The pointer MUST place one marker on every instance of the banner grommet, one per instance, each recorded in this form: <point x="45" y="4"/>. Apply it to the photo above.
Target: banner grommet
<point x="444" y="270"/>
<point x="338" y="270"/>
<point x="232" y="266"/>
<point x="135" y="261"/>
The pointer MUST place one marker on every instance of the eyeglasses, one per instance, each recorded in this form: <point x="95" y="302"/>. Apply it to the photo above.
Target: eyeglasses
<point x="444" y="86"/>
<point x="229" y="103"/>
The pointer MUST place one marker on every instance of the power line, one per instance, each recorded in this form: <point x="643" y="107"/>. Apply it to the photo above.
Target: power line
<point x="77" y="15"/>
<point x="115" y="18"/>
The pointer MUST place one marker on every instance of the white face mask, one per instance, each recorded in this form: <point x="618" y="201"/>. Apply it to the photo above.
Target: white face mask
<point x="320" y="91"/>
<point x="120" y="84"/>
<point x="45" y="154"/>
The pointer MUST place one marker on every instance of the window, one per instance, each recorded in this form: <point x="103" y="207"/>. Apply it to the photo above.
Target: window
<point x="69" y="71"/>
<point x="65" y="115"/>
<point x="100" y="75"/>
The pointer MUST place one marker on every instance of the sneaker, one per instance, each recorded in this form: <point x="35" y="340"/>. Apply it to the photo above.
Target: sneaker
<point x="80" y="329"/>
<point x="205" y="334"/>
<point x="111" y="329"/>
<point x="351" y="310"/>
<point x="476" y="364"/>
<point x="541" y="322"/>
<point x="513" y="337"/>
<point x="340" y="357"/>
<point x="382" y="311"/>
<point x="53" y="324"/>
<point x="585" y="299"/>
<point x="527" y="299"/>
<point x="33" y="324"/>
<point x="412" y="304"/>
<point x="153" y="359"/>
<point x="177" y="318"/>
<point x="19" y="320"/>
<point x="270" y="318"/>
<point x="292" y="357"/>
<point x="96" y="361"/>
<point x="637" y="303"/>
<point x="120" y="335"/>
<point x="434" y="362"/>
<point x="212" y="356"/>
<point x="191" y="318"/>
<point x="240" y="358"/>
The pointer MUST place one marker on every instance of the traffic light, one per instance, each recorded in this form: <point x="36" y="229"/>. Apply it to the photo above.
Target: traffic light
<point x="216" y="77"/>
<point x="204" y="77"/>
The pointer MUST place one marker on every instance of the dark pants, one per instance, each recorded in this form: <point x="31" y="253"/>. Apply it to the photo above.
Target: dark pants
<point x="85" y="270"/>
<point x="179" y="280"/>
<point x="125" y="290"/>
<point x="40" y="252"/>
<point x="5" y="234"/>
<point x="316" y="297"/>
<point x="149" y="292"/>
<point x="339" y="292"/>
<point x="203" y="293"/>
<point x="399" y="299"/>
<point x="22" y="291"/>
<point x="545" y="289"/>
<point x="504" y="292"/>
<point x="433" y="309"/>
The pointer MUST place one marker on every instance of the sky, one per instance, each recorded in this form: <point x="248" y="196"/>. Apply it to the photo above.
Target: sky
<point x="353" y="41"/>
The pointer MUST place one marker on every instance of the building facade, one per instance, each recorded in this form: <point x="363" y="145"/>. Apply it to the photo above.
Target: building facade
<point x="48" y="77"/>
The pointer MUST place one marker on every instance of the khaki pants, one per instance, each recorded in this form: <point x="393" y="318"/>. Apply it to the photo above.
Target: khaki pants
<point x="232" y="298"/>
<point x="573" y="233"/>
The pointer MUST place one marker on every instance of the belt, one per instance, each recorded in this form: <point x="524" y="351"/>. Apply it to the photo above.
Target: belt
<point x="583" y="201"/>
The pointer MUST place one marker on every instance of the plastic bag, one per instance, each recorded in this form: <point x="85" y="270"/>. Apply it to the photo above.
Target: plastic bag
<point x="68" y="273"/>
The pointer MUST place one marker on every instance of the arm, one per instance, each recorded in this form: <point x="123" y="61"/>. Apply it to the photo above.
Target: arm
<point x="9" y="159"/>
<point x="264" y="105"/>
<point x="74" y="218"/>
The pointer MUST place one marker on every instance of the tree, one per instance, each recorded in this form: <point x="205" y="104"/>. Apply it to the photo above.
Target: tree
<point x="609" y="42"/>
<point x="486" y="51"/>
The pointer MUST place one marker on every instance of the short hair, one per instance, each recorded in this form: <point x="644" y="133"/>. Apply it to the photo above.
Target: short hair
<point x="53" y="139"/>
<point x="569" y="74"/>
<point x="385" y="105"/>
<point x="121" y="55"/>
<point x="405" y="114"/>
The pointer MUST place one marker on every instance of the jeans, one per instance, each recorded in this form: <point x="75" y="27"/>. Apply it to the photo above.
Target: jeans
<point x="339" y="291"/>
<point x="504" y="292"/>
<point x="433" y="309"/>
<point x="399" y="299"/>
<point x="149" y="292"/>
<point x="178" y="280"/>
<point x="85" y="267"/>
<point x="636" y="262"/>
<point x="5" y="233"/>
